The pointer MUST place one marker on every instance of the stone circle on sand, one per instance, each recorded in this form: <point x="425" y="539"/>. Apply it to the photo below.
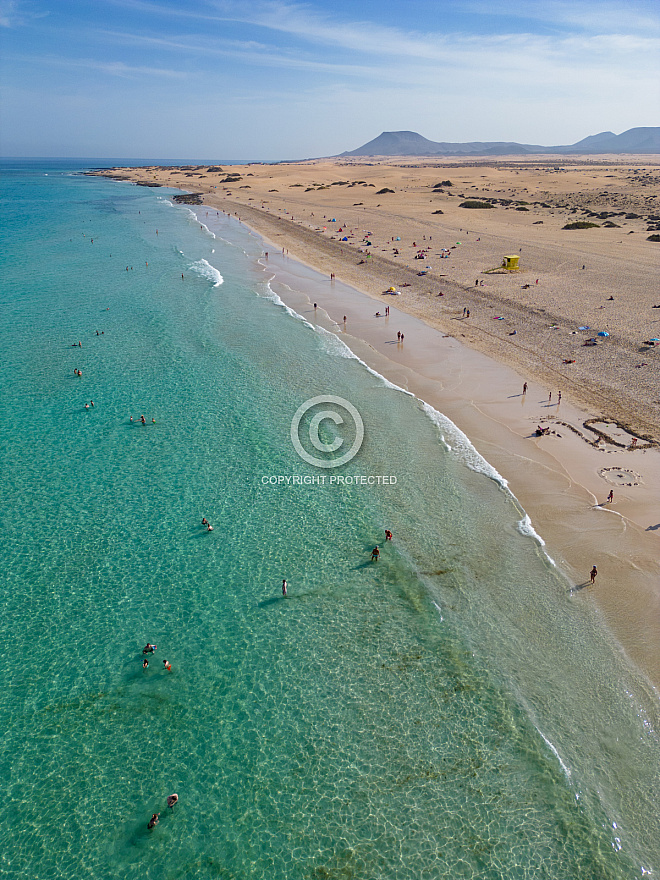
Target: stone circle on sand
<point x="620" y="476"/>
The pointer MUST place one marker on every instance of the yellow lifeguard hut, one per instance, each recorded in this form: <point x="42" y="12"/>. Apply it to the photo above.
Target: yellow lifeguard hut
<point x="510" y="263"/>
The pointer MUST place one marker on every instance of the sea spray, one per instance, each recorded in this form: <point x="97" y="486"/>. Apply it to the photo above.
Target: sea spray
<point x="206" y="270"/>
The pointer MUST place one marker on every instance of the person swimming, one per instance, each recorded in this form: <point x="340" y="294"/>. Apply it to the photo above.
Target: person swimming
<point x="172" y="799"/>
<point x="149" y="649"/>
<point x="154" y="820"/>
<point x="167" y="665"/>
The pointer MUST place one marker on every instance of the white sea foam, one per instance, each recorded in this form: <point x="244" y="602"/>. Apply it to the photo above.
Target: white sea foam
<point x="206" y="270"/>
<point x="335" y="345"/>
<point x="554" y="751"/>
<point x="194" y="217"/>
<point x="526" y="528"/>
<point x="273" y="297"/>
<point x="458" y="442"/>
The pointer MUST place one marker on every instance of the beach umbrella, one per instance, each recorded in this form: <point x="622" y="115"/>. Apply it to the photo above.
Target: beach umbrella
<point x="603" y="333"/>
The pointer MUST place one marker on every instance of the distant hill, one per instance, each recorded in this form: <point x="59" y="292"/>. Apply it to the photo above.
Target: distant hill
<point x="409" y="143"/>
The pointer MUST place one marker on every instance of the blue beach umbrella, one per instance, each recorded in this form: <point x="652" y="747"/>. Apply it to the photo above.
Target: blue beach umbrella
<point x="603" y="333"/>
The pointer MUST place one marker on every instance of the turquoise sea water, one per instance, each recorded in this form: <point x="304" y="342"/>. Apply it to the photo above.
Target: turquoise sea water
<point x="449" y="711"/>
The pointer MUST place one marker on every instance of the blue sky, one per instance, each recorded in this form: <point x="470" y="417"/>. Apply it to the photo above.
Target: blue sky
<point x="226" y="79"/>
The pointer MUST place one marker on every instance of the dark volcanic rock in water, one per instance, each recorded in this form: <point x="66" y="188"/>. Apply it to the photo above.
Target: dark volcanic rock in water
<point x="188" y="199"/>
<point x="147" y="183"/>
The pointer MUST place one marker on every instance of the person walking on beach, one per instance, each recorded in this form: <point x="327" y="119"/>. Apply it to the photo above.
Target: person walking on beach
<point x="284" y="586"/>
<point x="592" y="574"/>
<point x="525" y="388"/>
<point x="610" y="497"/>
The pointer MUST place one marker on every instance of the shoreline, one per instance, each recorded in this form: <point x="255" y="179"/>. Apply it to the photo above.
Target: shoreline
<point x="566" y="276"/>
<point x="630" y="412"/>
<point x="555" y="479"/>
<point x="558" y="480"/>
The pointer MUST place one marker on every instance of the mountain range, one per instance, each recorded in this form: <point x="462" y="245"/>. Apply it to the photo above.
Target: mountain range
<point x="409" y="143"/>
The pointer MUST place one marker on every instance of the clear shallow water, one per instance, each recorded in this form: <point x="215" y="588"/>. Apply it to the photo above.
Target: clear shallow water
<point x="448" y="711"/>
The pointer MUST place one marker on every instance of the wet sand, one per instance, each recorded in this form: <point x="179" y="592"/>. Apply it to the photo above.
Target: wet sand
<point x="309" y="208"/>
<point x="471" y="369"/>
<point x="561" y="480"/>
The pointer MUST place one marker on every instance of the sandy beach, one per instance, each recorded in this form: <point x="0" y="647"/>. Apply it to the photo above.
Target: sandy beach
<point x="529" y="325"/>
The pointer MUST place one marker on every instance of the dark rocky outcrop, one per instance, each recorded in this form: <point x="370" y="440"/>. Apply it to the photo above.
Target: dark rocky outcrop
<point x="188" y="199"/>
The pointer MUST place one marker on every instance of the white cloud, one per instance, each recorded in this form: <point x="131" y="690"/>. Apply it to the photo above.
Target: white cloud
<point x="15" y="14"/>
<point x="112" y="68"/>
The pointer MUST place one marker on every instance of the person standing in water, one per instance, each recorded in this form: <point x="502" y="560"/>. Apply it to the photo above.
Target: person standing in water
<point x="375" y="554"/>
<point x="592" y="574"/>
<point x="284" y="586"/>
